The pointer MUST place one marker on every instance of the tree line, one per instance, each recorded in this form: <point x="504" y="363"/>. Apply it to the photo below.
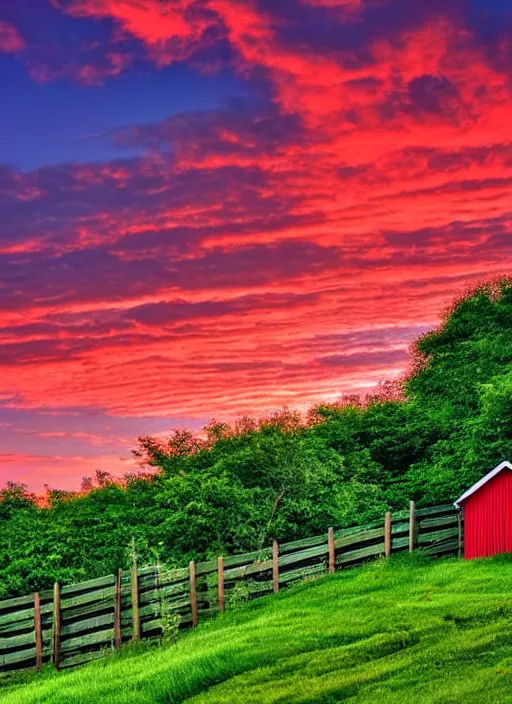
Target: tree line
<point x="233" y="488"/>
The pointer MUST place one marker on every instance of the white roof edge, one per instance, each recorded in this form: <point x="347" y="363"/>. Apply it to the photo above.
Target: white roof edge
<point x="482" y="481"/>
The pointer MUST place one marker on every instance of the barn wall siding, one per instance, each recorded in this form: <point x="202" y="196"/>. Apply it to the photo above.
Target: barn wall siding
<point x="488" y="518"/>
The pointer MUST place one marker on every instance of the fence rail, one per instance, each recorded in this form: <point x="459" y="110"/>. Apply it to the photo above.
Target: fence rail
<point x="77" y="623"/>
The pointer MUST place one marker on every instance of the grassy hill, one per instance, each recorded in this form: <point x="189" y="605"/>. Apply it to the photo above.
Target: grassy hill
<point x="406" y="630"/>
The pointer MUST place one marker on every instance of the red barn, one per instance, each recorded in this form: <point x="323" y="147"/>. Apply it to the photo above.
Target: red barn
<point x="487" y="508"/>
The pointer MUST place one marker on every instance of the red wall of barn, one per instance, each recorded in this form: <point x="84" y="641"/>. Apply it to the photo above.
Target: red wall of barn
<point x="488" y="518"/>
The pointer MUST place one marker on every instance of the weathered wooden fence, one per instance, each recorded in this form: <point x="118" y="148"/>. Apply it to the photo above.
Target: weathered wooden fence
<point x="74" y="624"/>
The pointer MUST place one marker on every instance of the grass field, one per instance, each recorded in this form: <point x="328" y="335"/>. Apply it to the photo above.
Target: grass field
<point x="407" y="630"/>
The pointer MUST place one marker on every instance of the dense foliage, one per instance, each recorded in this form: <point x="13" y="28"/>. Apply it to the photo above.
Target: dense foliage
<point x="234" y="487"/>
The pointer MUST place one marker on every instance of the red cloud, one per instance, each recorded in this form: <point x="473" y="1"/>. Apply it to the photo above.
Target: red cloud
<point x="11" y="41"/>
<point x="171" y="31"/>
<point x="402" y="75"/>
<point x="151" y="20"/>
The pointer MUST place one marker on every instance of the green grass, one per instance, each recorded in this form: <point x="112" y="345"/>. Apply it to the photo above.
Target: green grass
<point x="409" y="630"/>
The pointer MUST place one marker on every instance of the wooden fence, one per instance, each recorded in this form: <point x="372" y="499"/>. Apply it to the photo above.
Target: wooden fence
<point x="74" y="624"/>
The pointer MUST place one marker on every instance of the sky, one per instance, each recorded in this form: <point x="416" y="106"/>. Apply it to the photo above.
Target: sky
<point x="211" y="208"/>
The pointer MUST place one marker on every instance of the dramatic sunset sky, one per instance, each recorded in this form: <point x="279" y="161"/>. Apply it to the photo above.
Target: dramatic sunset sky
<point x="218" y="207"/>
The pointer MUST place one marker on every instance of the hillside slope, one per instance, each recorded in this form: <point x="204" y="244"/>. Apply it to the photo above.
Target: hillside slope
<point x="408" y="630"/>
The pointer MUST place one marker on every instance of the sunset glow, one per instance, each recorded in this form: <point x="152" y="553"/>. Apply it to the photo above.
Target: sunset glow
<point x="220" y="207"/>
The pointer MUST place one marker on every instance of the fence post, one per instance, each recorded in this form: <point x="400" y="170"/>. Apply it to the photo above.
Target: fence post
<point x="38" y="634"/>
<point x="193" y="592"/>
<point x="220" y="583"/>
<point x="275" y="566"/>
<point x="387" y="534"/>
<point x="332" y="551"/>
<point x="117" y="609"/>
<point x="412" y="526"/>
<point x="57" y="626"/>
<point x="134" y="579"/>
